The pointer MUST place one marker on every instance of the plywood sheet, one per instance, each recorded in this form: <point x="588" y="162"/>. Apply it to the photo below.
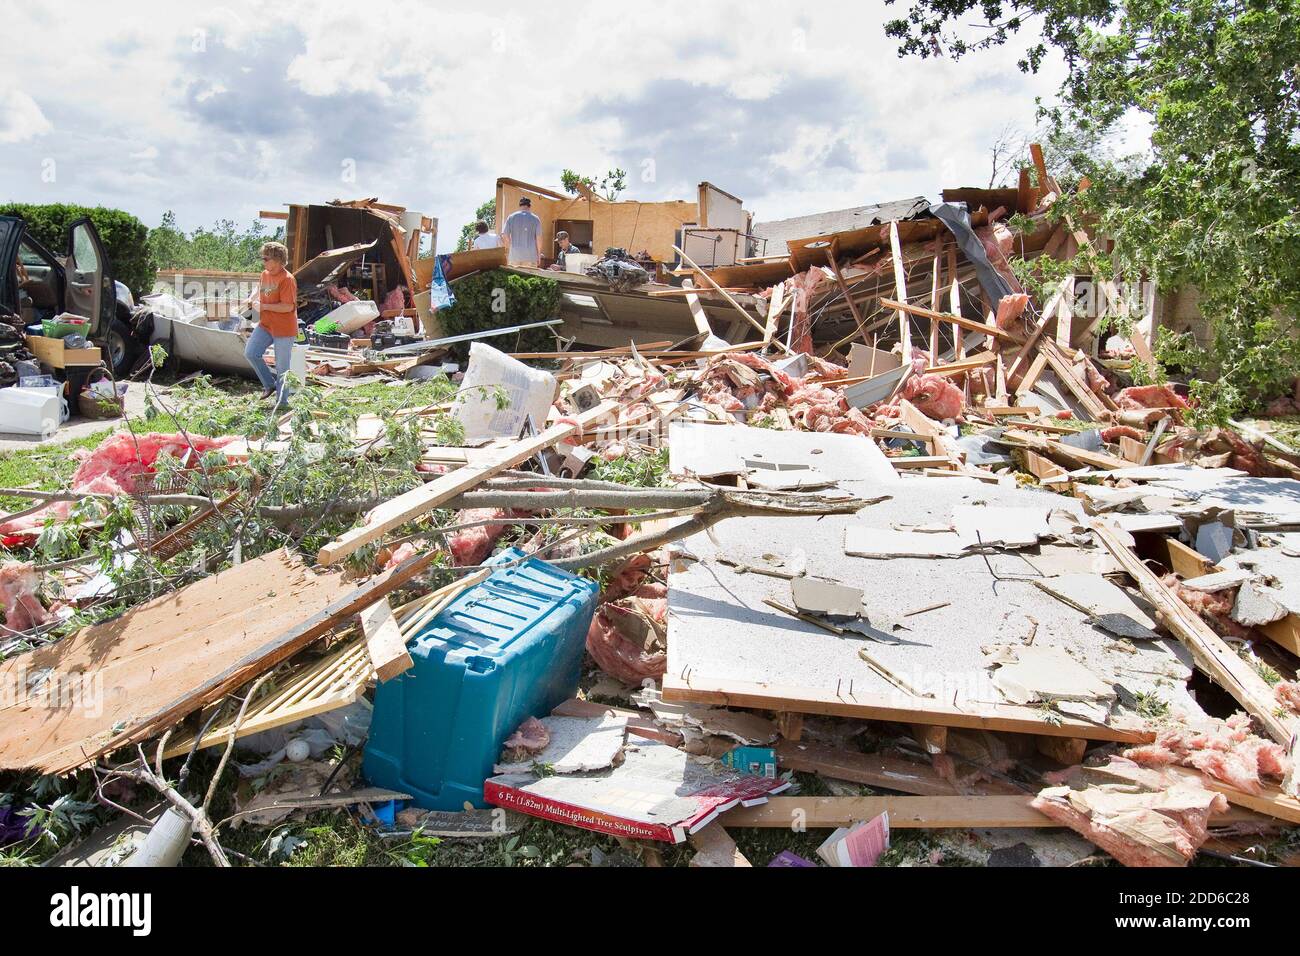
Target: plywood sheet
<point x="118" y="682"/>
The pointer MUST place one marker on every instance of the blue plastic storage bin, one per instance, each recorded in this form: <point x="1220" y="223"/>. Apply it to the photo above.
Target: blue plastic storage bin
<point x="506" y="649"/>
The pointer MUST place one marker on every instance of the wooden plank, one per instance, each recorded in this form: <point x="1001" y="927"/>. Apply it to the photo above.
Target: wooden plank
<point x="912" y="813"/>
<point x="697" y="310"/>
<point x="332" y="682"/>
<point x="409" y="506"/>
<point x="724" y="293"/>
<point x="896" y="706"/>
<point x="775" y="303"/>
<point x="958" y="320"/>
<point x="848" y="297"/>
<point x="900" y="290"/>
<point x="1065" y="312"/>
<point x="1218" y="661"/>
<point x="921" y="461"/>
<point x="1045" y="182"/>
<point x="875" y="769"/>
<point x="1270" y="801"/>
<point x="936" y="279"/>
<point x="1031" y="376"/>
<point x="1027" y="351"/>
<point x="1047" y="446"/>
<point x="384" y="641"/>
<point x="905" y="813"/>
<point x="170" y="656"/>
<point x="969" y="364"/>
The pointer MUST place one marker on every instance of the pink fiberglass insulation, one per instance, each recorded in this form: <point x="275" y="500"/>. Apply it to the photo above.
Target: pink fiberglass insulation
<point x="801" y="287"/>
<point x="813" y="407"/>
<point x="998" y="241"/>
<point x="471" y="545"/>
<point x="1158" y="828"/>
<point x="531" y="736"/>
<point x="1226" y="750"/>
<point x="1010" y="308"/>
<point x="1121" y="431"/>
<point x="1215" y="608"/>
<point x="934" y="396"/>
<point x="399" y="554"/>
<point x="114" y="468"/>
<point x="1149" y="396"/>
<point x="125" y="458"/>
<point x="18" y="584"/>
<point x="1288" y="695"/>
<point x="613" y="653"/>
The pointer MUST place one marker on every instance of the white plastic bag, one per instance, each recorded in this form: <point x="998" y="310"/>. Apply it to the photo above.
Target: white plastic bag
<point x="499" y="394"/>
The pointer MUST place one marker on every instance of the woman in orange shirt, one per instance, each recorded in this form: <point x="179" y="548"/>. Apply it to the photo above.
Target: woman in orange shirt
<point x="278" y="293"/>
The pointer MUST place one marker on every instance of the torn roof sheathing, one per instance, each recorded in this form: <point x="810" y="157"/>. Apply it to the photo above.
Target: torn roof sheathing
<point x="779" y="233"/>
<point x="726" y="645"/>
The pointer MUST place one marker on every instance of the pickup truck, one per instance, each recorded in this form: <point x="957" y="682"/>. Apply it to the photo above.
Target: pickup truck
<point x="36" y="284"/>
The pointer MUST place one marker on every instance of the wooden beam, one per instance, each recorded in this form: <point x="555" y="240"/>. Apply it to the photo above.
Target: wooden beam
<point x="697" y="311"/>
<point x="997" y="811"/>
<point x="409" y="506"/>
<point x="844" y="288"/>
<point x="905" y="813"/>
<point x="874" y="769"/>
<point x="723" y="292"/>
<point x="272" y="214"/>
<point x="935" y="296"/>
<point x="384" y="641"/>
<point x="775" y="303"/>
<point x="959" y="320"/>
<point x="900" y="290"/>
<point x="1218" y="661"/>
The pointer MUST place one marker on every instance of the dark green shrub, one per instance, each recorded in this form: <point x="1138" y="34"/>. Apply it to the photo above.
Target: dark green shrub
<point x="125" y="238"/>
<point x="496" y="299"/>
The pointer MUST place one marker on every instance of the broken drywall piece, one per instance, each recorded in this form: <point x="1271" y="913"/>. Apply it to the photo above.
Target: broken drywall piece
<point x="863" y="541"/>
<point x="1121" y="625"/>
<point x="1139" y="822"/>
<point x="1218" y="581"/>
<point x="783" y="476"/>
<point x="576" y="745"/>
<point x="816" y="596"/>
<point x="1005" y="527"/>
<point x="1214" y="540"/>
<point x="1140" y="523"/>
<point x="1054" y="560"/>
<point x="1256" y="606"/>
<point x="1094" y="595"/>
<point x="1039" y="673"/>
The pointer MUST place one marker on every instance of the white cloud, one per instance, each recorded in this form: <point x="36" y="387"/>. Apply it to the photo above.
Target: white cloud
<point x="21" y="118"/>
<point x="246" y="106"/>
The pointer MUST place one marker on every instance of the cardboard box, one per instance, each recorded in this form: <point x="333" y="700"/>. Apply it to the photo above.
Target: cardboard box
<point x="54" y="353"/>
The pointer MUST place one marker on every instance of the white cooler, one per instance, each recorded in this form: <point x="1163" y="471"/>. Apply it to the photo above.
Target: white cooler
<point x="30" y="411"/>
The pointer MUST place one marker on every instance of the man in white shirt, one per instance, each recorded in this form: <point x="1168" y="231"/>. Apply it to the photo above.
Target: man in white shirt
<point x="484" y="239"/>
<point x="523" y="235"/>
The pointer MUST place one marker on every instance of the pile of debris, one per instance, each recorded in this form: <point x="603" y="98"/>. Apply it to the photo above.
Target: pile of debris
<point x="643" y="595"/>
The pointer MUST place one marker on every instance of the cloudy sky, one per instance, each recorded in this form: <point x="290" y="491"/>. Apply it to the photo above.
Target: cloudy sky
<point x="219" y="110"/>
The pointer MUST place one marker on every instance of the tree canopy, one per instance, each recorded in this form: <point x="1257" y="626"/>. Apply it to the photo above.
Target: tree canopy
<point x="1214" y="202"/>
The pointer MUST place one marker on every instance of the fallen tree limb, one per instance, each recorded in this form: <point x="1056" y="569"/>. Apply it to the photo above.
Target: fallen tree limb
<point x="1218" y="661"/>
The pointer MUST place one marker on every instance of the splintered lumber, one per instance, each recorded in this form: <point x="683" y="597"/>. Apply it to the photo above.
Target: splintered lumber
<point x="874" y="770"/>
<point x="774" y="306"/>
<point x="900" y="289"/>
<point x="1219" y="662"/>
<point x="1064" y="370"/>
<point x="968" y="364"/>
<point x="905" y="813"/>
<point x="332" y="682"/>
<point x="171" y="656"/>
<point x="714" y="847"/>
<point x="724" y="293"/>
<point x="1028" y="351"/>
<point x="958" y="320"/>
<point x="409" y="506"/>
<point x="912" y="813"/>
<point x="384" y="641"/>
<point x="1047" y="446"/>
<point x="697" y="310"/>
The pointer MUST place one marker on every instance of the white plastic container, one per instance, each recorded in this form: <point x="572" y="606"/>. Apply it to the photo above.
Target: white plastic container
<point x="29" y="411"/>
<point x="579" y="262"/>
<point x="350" y="316"/>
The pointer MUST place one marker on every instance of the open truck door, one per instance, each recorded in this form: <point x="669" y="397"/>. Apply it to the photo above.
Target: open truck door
<point x="90" y="292"/>
<point x="11" y="234"/>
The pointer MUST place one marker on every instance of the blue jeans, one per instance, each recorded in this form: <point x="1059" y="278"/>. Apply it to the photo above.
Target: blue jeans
<point x="258" y="343"/>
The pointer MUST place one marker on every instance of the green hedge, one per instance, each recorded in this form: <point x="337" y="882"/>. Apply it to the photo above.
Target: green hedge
<point x="521" y="300"/>
<point x="125" y="238"/>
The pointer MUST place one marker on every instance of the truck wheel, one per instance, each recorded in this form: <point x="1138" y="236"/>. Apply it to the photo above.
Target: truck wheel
<point x="120" y="348"/>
